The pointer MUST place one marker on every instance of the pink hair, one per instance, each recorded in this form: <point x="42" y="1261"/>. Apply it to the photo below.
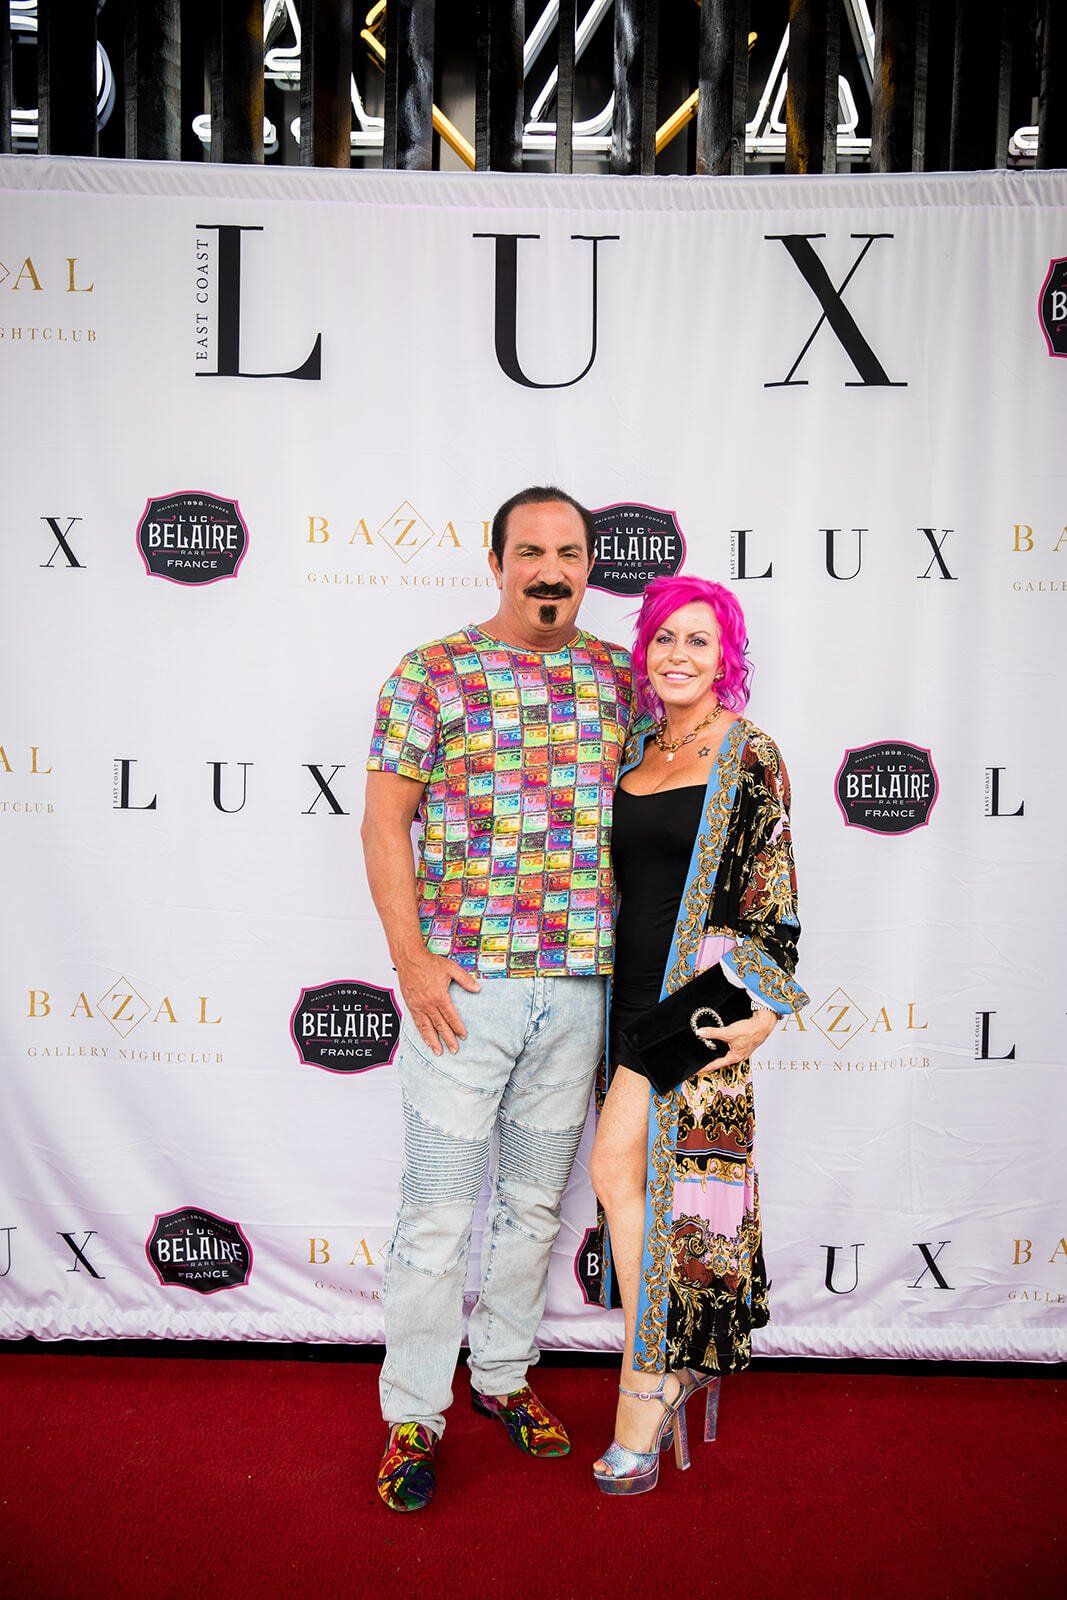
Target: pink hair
<point x="661" y="599"/>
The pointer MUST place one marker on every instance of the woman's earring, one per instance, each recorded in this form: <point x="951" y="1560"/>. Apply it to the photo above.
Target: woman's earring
<point x="720" y="674"/>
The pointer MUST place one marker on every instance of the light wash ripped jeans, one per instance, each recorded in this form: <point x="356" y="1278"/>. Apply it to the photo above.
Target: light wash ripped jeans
<point x="525" y="1069"/>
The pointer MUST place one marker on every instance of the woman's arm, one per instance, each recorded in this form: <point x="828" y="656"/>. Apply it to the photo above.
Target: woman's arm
<point x="764" y="955"/>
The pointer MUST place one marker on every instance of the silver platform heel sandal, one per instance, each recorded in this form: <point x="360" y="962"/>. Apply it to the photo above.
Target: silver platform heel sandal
<point x="637" y="1471"/>
<point x="711" y="1408"/>
<point x="710" y="1382"/>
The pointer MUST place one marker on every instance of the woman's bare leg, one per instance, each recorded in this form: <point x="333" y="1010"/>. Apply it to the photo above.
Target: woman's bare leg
<point x="617" y="1168"/>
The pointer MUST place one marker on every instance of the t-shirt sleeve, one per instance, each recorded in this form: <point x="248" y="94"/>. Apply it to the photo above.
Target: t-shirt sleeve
<point x="406" y="723"/>
<point x="626" y="686"/>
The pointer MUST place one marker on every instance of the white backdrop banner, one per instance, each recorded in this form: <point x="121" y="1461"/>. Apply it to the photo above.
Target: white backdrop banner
<point x="255" y="425"/>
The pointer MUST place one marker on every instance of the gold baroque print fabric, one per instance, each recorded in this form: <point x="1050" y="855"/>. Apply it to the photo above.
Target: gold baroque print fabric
<point x="703" y="1275"/>
<point x="718" y="1281"/>
<point x="664" y="1109"/>
<point x="755" y="893"/>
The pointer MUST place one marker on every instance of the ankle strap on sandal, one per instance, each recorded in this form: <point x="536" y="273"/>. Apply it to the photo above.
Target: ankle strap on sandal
<point x="645" y="1394"/>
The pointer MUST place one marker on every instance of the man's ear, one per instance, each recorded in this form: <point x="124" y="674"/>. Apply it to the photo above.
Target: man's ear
<point x="496" y="569"/>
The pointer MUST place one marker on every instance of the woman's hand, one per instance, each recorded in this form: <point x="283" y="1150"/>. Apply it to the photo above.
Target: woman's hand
<point x="741" y="1038"/>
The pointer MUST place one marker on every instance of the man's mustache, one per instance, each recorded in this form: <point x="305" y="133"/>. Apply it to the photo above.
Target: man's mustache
<point x="549" y="591"/>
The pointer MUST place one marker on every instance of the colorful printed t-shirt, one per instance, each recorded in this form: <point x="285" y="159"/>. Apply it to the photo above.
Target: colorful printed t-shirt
<point x="519" y="751"/>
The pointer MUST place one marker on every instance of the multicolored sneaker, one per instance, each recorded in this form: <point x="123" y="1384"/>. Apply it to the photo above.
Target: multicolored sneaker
<point x="529" y="1424"/>
<point x="406" y="1477"/>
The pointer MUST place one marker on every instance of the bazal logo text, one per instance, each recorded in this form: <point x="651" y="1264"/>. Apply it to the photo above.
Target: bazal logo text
<point x="122" y="1007"/>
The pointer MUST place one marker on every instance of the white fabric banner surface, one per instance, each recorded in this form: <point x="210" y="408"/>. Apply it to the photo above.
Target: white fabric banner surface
<point x="255" y="423"/>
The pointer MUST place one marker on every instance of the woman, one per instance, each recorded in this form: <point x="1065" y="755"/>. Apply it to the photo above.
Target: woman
<point x="704" y="865"/>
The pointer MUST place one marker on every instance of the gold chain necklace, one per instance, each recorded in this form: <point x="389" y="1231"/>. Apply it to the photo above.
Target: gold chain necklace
<point x="687" y="738"/>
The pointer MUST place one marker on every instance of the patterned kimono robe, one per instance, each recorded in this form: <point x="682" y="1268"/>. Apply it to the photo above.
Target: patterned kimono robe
<point x="703" y="1284"/>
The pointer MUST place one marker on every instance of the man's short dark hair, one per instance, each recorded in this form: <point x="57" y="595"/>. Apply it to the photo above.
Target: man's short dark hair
<point x="539" y="496"/>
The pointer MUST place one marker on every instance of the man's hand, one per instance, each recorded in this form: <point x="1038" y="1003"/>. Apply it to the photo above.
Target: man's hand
<point x="424" y="981"/>
<point x="742" y="1038"/>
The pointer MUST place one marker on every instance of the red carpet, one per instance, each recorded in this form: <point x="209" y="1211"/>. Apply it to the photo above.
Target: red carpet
<point x="124" y="1478"/>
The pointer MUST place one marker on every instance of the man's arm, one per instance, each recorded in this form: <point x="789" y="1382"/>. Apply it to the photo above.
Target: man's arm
<point x="424" y="978"/>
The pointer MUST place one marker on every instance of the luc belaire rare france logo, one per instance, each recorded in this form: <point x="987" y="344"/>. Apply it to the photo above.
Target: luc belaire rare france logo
<point x="195" y="1249"/>
<point x="346" y="1026"/>
<point x="1052" y="307"/>
<point x="886" y="788"/>
<point x="589" y="1266"/>
<point x="635" y="544"/>
<point x="192" y="537"/>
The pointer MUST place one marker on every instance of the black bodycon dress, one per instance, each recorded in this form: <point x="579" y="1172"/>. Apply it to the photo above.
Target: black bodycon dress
<point x="651" y="846"/>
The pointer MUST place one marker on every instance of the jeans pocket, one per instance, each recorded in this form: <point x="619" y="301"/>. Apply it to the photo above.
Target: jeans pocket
<point x="440" y="1091"/>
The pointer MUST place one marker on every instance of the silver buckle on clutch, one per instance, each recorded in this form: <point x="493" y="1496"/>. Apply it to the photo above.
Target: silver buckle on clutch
<point x="705" y="1011"/>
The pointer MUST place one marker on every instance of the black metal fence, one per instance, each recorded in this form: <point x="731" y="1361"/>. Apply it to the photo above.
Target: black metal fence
<point x="630" y="86"/>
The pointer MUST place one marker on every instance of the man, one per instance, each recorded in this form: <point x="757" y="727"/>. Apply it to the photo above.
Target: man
<point x="505" y="737"/>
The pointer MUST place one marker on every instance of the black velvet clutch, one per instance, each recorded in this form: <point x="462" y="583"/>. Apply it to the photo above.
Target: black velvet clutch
<point x="664" y="1041"/>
